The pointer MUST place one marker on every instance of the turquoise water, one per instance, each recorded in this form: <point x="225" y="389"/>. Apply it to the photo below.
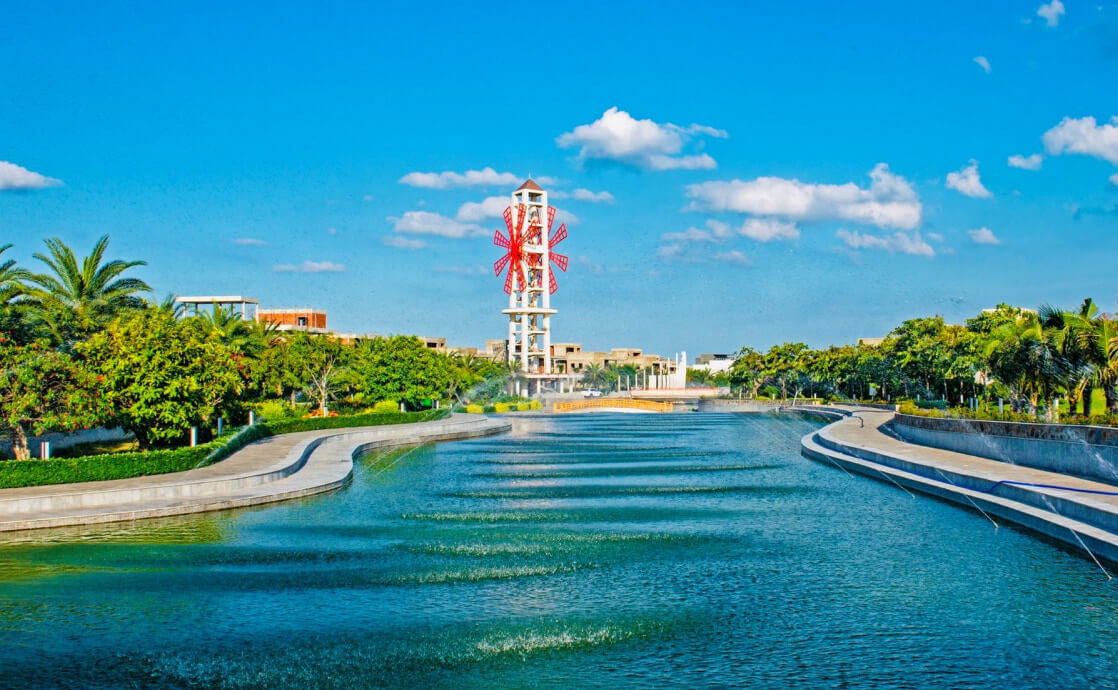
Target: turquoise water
<point x="597" y="550"/>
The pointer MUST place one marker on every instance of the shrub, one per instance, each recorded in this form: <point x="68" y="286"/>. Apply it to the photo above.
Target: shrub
<point x="489" y="408"/>
<point x="142" y="463"/>
<point x="475" y="409"/>
<point x="535" y="405"/>
<point x="275" y="409"/>
<point x="501" y="408"/>
<point x="386" y="406"/>
<point x="523" y="406"/>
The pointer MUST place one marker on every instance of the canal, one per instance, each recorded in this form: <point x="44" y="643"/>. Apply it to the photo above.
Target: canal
<point x="589" y="550"/>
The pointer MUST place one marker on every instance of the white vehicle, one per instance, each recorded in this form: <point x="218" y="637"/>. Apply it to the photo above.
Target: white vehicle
<point x="591" y="393"/>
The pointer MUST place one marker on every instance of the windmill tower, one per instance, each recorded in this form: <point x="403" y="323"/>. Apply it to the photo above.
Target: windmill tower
<point x="530" y="280"/>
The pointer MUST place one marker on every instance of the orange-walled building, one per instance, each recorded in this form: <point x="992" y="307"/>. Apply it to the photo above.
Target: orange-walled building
<point x="310" y="320"/>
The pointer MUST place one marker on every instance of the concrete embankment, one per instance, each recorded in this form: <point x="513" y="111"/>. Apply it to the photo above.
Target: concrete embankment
<point x="1085" y="451"/>
<point x="272" y="469"/>
<point x="1078" y="511"/>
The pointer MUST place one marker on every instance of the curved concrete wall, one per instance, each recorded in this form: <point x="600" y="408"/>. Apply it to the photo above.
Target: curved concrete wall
<point x="1086" y="451"/>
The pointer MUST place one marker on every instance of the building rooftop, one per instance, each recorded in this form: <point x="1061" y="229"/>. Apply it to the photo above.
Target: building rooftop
<point x="217" y="299"/>
<point x="530" y="184"/>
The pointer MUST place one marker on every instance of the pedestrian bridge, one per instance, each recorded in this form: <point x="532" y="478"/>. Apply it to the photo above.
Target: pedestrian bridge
<point x="612" y="405"/>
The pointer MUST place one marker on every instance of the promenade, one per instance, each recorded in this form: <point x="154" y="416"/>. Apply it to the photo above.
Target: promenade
<point x="1082" y="513"/>
<point x="273" y="469"/>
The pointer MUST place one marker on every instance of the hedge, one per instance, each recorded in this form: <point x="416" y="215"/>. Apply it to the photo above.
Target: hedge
<point x="92" y="468"/>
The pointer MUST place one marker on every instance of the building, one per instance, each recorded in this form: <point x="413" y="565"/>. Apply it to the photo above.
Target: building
<point x="298" y="319"/>
<point x="870" y="342"/>
<point x="245" y="307"/>
<point x="713" y="363"/>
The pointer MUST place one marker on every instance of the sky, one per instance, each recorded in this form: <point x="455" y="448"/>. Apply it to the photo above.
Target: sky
<point x="731" y="174"/>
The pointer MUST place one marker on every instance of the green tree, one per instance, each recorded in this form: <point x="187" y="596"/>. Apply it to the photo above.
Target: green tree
<point x="747" y="370"/>
<point x="42" y="391"/>
<point x="401" y="369"/>
<point x="322" y="364"/>
<point x="76" y="299"/>
<point x="160" y="376"/>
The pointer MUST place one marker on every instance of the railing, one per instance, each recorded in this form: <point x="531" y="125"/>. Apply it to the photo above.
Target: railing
<point x="613" y="403"/>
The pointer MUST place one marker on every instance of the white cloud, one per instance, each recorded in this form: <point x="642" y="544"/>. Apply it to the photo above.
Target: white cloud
<point x="982" y="62"/>
<point x="765" y="229"/>
<point x="889" y="201"/>
<point x="1084" y="136"/>
<point x="367" y="198"/>
<point x="1114" y="179"/>
<point x="897" y="242"/>
<point x="1051" y="12"/>
<point x="583" y="195"/>
<point x="15" y="177"/>
<point x="589" y="264"/>
<point x="1030" y="162"/>
<point x="248" y="242"/>
<point x="477" y="211"/>
<point x="645" y="144"/>
<point x="404" y="242"/>
<point x="967" y="181"/>
<point x="733" y="257"/>
<point x="428" y="223"/>
<point x="715" y="231"/>
<point x="983" y="236"/>
<point x="310" y="267"/>
<point x="485" y="177"/>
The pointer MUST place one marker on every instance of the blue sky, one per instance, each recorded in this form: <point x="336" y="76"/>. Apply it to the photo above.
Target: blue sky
<point x="778" y="171"/>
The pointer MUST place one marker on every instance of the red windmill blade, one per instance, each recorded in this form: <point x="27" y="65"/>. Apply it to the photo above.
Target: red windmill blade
<point x="514" y="254"/>
<point x="559" y="260"/>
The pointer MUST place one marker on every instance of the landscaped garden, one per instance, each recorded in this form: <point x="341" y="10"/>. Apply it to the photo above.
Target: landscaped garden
<point x="1006" y="363"/>
<point x="82" y="348"/>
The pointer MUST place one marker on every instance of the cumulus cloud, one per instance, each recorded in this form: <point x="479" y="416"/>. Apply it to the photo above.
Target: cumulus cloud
<point x="617" y="136"/>
<point x="1114" y="179"/>
<point x="983" y="236"/>
<point x="477" y="211"/>
<point x="485" y="177"/>
<point x="765" y="229"/>
<point x="310" y="267"/>
<point x="898" y="242"/>
<point x="403" y="242"/>
<point x="583" y="195"/>
<point x="967" y="181"/>
<point x="982" y="62"/>
<point x="1051" y="12"/>
<point x="1030" y="162"/>
<point x="428" y="223"/>
<point x="715" y="231"/>
<point x="732" y="257"/>
<point x="1084" y="136"/>
<point x="248" y="242"/>
<point x="889" y="201"/>
<point x="15" y="178"/>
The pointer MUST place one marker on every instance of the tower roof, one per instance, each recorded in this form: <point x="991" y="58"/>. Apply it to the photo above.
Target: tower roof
<point x="530" y="184"/>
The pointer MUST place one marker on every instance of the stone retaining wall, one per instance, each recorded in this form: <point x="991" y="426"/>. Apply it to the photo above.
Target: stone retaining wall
<point x="1085" y="451"/>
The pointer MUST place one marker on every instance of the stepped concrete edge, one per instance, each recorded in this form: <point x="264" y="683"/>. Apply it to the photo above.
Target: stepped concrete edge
<point x="858" y="443"/>
<point x="315" y="462"/>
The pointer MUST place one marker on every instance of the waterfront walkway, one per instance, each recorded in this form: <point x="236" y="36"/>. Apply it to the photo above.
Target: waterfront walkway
<point x="273" y="469"/>
<point x="1079" y="512"/>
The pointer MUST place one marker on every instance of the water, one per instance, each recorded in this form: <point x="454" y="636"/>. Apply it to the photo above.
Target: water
<point x="597" y="550"/>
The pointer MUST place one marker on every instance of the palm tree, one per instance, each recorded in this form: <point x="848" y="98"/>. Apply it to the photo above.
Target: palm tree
<point x="1066" y="330"/>
<point x="75" y="299"/>
<point x="11" y="279"/>
<point x="1023" y="357"/>
<point x="1100" y="340"/>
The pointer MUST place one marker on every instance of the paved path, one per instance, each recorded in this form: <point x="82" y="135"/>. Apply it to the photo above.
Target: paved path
<point x="272" y="469"/>
<point x="1067" y="508"/>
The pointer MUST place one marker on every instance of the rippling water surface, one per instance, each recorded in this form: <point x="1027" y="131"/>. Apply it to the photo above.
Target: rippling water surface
<point x="619" y="550"/>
